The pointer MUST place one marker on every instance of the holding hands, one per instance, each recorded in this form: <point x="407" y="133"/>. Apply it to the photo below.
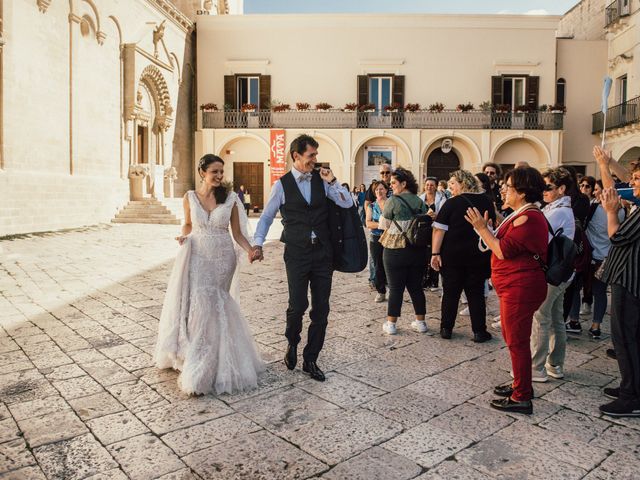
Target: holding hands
<point x="255" y="254"/>
<point x="181" y="239"/>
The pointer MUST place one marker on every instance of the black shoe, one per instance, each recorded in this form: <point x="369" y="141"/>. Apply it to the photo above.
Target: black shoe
<point x="613" y="393"/>
<point x="482" y="337"/>
<point x="506" y="391"/>
<point x="445" y="333"/>
<point x="291" y="357"/>
<point x="595" y="333"/>
<point x="611" y="353"/>
<point x="621" y="408"/>
<point x="312" y="369"/>
<point x="508" y="405"/>
<point x="573" y="327"/>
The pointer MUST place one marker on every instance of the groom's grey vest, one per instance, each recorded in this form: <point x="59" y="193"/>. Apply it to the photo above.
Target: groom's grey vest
<point x="300" y="218"/>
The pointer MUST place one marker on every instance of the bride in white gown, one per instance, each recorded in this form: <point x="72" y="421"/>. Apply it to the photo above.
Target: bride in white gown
<point x="202" y="332"/>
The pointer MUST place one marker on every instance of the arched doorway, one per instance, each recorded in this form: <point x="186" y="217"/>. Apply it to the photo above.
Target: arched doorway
<point x="440" y="164"/>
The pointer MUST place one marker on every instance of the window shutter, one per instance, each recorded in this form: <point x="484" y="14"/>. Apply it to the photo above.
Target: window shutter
<point x="496" y="90"/>
<point x="363" y="89"/>
<point x="533" y="85"/>
<point x="265" y="92"/>
<point x="398" y="89"/>
<point x="230" y="91"/>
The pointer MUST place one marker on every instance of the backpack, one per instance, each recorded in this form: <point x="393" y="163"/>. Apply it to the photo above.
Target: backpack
<point x="583" y="248"/>
<point x="349" y="242"/>
<point x="418" y="234"/>
<point x="561" y="254"/>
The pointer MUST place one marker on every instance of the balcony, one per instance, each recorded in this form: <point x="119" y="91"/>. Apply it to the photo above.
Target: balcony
<point x="448" y="119"/>
<point x="617" y="9"/>
<point x="620" y="116"/>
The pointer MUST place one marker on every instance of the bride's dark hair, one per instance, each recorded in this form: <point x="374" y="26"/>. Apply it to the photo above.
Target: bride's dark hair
<point x="220" y="193"/>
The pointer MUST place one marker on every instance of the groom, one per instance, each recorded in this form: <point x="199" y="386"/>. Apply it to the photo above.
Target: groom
<point x="301" y="196"/>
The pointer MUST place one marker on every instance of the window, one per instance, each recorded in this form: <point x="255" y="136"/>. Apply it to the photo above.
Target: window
<point x="380" y="89"/>
<point x="561" y="89"/>
<point x="248" y="91"/>
<point x="513" y="89"/>
<point x="622" y="89"/>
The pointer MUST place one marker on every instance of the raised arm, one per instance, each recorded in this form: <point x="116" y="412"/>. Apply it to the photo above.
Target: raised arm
<point x="608" y="165"/>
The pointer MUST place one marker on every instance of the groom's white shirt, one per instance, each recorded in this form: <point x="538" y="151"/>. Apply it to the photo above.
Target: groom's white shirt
<point x="334" y="191"/>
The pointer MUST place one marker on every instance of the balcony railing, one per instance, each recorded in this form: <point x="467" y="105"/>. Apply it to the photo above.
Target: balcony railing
<point x="475" y="119"/>
<point x="619" y="116"/>
<point x="615" y="10"/>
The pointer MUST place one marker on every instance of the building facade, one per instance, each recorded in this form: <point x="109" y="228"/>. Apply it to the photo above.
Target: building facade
<point x="252" y="67"/>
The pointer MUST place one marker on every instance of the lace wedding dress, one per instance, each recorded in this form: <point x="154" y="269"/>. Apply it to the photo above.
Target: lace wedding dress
<point x="202" y="331"/>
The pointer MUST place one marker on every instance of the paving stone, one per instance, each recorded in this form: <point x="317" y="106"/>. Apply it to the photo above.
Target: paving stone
<point x="14" y="455"/>
<point x="116" y="427"/>
<point x="479" y="373"/>
<point x="119" y="351"/>
<point x="541" y="408"/>
<point x="87" y="356"/>
<point x="27" y="473"/>
<point x="207" y="434"/>
<point x="182" y="474"/>
<point x="95" y="406"/>
<point x="135" y="362"/>
<point x="35" y="408"/>
<point x="9" y="430"/>
<point x="501" y="458"/>
<point x="77" y="387"/>
<point x="107" y="372"/>
<point x="23" y="386"/>
<point x="275" y="376"/>
<point x="578" y="398"/>
<point x="259" y="455"/>
<point x="374" y="463"/>
<point x="49" y="360"/>
<point x="472" y="421"/>
<point x="582" y="427"/>
<point x="451" y="470"/>
<point x="564" y="448"/>
<point x="136" y="396"/>
<point x="341" y="390"/>
<point x="427" y="445"/>
<point x="383" y="374"/>
<point x="286" y="409"/>
<point x="153" y="375"/>
<point x="619" y="466"/>
<point x="446" y="389"/>
<point x="51" y="427"/>
<point x="145" y="457"/>
<point x="73" y="459"/>
<point x="115" y="474"/>
<point x="63" y="372"/>
<point x="618" y="438"/>
<point x="169" y="417"/>
<point x="334" y="439"/>
<point x="407" y="407"/>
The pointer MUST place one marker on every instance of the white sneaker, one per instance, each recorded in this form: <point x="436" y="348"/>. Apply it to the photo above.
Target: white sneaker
<point x="389" y="328"/>
<point x="381" y="297"/>
<point x="554" y="371"/>
<point x="419" y="326"/>
<point x="497" y="325"/>
<point x="465" y="312"/>
<point x="434" y="289"/>
<point x="539" y="376"/>
<point x="585" y="309"/>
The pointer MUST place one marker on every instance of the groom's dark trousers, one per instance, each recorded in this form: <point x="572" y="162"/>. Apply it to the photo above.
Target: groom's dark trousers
<point x="308" y="261"/>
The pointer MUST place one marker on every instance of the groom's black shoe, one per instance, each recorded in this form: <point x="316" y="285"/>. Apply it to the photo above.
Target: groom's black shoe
<point x="312" y="369"/>
<point x="291" y="357"/>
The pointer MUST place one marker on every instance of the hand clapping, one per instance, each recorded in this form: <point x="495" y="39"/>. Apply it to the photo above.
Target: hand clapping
<point x="610" y="200"/>
<point x="475" y="219"/>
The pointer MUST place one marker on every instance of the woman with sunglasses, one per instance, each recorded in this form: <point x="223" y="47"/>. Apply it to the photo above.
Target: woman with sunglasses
<point x="517" y="277"/>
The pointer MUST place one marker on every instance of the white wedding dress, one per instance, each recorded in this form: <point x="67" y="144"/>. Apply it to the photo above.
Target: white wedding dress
<point x="202" y="332"/>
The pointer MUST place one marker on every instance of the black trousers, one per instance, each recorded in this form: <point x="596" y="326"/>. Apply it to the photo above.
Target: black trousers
<point x="380" y="279"/>
<point x="455" y="279"/>
<point x="404" y="267"/>
<point x="625" y="333"/>
<point x="308" y="267"/>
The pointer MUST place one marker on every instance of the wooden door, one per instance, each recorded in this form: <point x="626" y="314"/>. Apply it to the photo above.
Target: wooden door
<point x="251" y="175"/>
<point x="440" y="164"/>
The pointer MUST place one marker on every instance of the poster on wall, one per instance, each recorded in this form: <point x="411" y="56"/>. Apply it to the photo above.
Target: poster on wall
<point x="277" y="160"/>
<point x="374" y="156"/>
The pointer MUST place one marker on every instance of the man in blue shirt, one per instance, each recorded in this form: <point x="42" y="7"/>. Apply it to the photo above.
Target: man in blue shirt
<point x="301" y="196"/>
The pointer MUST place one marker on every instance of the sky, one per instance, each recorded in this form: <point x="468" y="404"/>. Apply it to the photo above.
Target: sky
<point x="531" y="7"/>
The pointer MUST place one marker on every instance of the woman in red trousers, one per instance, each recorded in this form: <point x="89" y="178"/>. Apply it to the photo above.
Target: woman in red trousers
<point x="517" y="277"/>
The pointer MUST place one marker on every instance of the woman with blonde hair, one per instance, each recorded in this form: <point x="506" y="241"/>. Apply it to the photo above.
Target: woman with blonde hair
<point x="455" y="253"/>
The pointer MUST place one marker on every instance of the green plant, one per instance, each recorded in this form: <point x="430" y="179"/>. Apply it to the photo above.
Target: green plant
<point x="324" y="106"/>
<point x="436" y="107"/>
<point x="543" y="108"/>
<point x="412" y="107"/>
<point x="302" y="106"/>
<point x="464" y="107"/>
<point x="558" y="107"/>
<point x="486" y="106"/>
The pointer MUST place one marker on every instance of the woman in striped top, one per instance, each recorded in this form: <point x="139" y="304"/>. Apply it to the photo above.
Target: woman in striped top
<point x="622" y="273"/>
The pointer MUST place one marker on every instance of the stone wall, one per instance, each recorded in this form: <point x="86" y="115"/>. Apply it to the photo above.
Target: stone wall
<point x="67" y="140"/>
<point x="585" y="21"/>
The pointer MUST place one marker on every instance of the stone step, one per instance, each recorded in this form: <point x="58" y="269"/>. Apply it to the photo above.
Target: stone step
<point x="151" y="209"/>
<point x="155" y="221"/>
<point x="128" y="214"/>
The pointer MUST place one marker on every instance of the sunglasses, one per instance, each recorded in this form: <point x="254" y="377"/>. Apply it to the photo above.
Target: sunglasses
<point x="585" y="185"/>
<point x="385" y="173"/>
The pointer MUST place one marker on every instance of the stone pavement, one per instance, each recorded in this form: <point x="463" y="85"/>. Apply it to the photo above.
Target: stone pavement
<point x="80" y="397"/>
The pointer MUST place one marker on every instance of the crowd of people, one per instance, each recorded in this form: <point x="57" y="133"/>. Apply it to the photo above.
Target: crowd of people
<point x="490" y="231"/>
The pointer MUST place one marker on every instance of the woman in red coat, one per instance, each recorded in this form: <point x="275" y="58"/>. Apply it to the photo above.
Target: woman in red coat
<point x="517" y="277"/>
